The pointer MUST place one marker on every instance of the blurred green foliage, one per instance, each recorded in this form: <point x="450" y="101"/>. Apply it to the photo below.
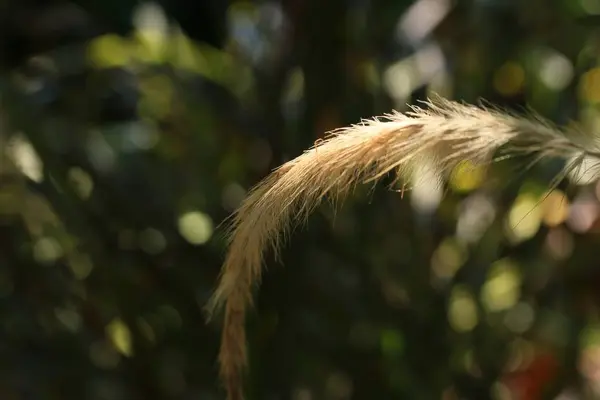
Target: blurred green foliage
<point x="121" y="153"/>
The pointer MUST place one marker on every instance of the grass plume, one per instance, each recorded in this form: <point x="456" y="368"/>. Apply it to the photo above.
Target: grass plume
<point x="444" y="132"/>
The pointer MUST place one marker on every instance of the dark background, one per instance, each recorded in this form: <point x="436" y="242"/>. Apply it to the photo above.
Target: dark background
<point x="130" y="131"/>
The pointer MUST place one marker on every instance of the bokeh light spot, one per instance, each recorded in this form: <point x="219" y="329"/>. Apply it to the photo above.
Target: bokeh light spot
<point x="509" y="79"/>
<point x="27" y="160"/>
<point x="338" y="386"/>
<point x="70" y="319"/>
<point x="146" y="330"/>
<point x="152" y="241"/>
<point x="47" y="250"/>
<point x="120" y="336"/>
<point x="81" y="182"/>
<point x="583" y="213"/>
<point x="448" y="258"/>
<point x="477" y="213"/>
<point x="232" y="196"/>
<point x="195" y="227"/>
<point x="151" y="31"/>
<point x="555" y="208"/>
<point x="81" y="265"/>
<point x="556" y="71"/>
<point x="466" y="177"/>
<point x="502" y="289"/>
<point x="462" y="313"/>
<point x="302" y="394"/>
<point x="559" y="243"/>
<point x="520" y="318"/>
<point x="524" y="218"/>
<point x="590" y="6"/>
<point x="109" y="51"/>
<point x="589" y="86"/>
<point x="392" y="343"/>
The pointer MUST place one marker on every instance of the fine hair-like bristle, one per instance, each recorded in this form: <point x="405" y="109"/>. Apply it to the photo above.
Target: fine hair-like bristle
<point x="443" y="132"/>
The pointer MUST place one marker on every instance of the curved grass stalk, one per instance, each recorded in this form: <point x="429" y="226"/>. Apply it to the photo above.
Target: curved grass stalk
<point x="444" y="132"/>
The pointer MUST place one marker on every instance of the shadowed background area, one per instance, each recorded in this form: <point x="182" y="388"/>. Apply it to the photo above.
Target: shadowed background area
<point x="130" y="130"/>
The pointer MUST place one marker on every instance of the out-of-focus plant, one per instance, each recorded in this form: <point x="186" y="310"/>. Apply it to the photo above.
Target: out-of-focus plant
<point x="122" y="150"/>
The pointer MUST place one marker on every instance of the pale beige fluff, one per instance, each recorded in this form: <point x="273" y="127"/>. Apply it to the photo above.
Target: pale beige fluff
<point x="445" y="131"/>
